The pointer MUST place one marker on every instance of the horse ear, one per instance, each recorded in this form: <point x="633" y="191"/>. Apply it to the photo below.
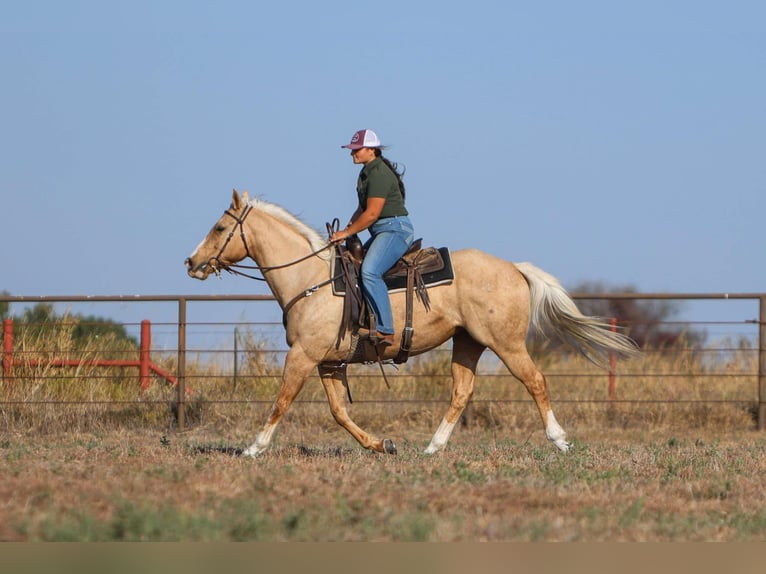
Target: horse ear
<point x="235" y="200"/>
<point x="245" y="197"/>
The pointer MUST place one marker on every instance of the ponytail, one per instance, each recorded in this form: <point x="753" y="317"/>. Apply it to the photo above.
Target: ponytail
<point x="394" y="167"/>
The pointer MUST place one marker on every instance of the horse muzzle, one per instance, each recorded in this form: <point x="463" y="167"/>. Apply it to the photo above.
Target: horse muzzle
<point x="199" y="271"/>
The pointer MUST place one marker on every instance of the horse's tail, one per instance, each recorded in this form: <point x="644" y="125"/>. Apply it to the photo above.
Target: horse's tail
<point x="551" y="306"/>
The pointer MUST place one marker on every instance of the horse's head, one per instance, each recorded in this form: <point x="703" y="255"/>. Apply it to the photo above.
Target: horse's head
<point x="221" y="246"/>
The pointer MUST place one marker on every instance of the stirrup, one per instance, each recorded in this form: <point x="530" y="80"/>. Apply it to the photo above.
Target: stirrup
<point x="376" y="338"/>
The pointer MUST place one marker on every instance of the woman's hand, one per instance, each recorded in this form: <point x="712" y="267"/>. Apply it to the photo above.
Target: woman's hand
<point x="339" y="236"/>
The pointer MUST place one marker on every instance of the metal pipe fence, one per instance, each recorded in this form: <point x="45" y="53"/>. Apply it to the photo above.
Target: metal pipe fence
<point x="186" y="335"/>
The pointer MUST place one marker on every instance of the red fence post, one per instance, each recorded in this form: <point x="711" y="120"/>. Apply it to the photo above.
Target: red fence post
<point x="612" y="364"/>
<point x="144" y="359"/>
<point x="7" y="348"/>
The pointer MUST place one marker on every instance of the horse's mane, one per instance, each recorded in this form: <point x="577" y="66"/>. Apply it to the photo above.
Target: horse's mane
<point x="314" y="238"/>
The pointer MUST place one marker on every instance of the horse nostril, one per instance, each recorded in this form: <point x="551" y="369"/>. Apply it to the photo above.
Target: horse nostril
<point x="188" y="263"/>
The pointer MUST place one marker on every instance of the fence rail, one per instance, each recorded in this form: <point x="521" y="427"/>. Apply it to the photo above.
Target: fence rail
<point x="180" y="326"/>
<point x="143" y="363"/>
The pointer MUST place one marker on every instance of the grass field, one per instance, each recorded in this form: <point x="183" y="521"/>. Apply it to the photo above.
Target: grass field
<point x="85" y="456"/>
<point x="315" y="484"/>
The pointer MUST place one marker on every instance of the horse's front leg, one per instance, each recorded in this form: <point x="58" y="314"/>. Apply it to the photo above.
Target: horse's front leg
<point x="297" y="369"/>
<point x="333" y="380"/>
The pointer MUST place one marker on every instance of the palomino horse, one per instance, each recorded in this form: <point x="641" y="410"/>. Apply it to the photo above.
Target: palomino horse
<point x="488" y="305"/>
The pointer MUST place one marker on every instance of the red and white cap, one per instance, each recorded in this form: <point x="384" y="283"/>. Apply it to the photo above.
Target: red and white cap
<point x="363" y="138"/>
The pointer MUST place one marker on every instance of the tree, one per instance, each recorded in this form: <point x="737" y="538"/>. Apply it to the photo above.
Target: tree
<point x="42" y="320"/>
<point x="92" y="327"/>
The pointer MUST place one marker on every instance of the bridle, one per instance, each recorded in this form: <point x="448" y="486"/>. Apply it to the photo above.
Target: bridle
<point x="215" y="261"/>
<point x="239" y="222"/>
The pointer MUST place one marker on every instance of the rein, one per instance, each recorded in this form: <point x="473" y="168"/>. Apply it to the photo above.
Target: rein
<point x="215" y="262"/>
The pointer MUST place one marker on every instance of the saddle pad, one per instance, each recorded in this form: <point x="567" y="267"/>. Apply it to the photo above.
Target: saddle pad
<point x="399" y="283"/>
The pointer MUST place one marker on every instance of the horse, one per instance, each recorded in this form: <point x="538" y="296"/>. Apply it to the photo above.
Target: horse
<point x="490" y="304"/>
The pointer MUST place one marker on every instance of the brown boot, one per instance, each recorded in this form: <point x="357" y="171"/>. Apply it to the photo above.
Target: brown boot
<point x="382" y="339"/>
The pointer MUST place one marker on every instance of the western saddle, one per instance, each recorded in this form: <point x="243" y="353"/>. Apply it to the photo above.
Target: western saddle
<point x="411" y="267"/>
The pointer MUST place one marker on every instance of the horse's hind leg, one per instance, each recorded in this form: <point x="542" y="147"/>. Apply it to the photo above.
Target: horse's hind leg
<point x="332" y="380"/>
<point x="465" y="356"/>
<point x="523" y="368"/>
<point x="297" y="369"/>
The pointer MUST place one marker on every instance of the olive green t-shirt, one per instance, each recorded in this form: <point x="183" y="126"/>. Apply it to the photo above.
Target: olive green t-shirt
<point x="377" y="180"/>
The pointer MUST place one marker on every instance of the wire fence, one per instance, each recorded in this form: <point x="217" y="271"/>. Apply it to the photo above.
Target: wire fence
<point x="188" y="349"/>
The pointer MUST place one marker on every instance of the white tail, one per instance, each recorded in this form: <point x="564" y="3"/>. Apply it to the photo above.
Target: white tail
<point x="551" y="306"/>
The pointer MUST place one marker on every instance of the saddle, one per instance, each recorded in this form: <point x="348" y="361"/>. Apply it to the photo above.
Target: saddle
<point x="414" y="272"/>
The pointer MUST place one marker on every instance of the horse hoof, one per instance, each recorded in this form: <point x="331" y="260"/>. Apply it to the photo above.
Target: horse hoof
<point x="563" y="445"/>
<point x="252" y="452"/>
<point x="389" y="447"/>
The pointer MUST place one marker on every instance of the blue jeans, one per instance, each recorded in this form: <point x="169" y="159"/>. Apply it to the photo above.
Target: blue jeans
<point x="391" y="237"/>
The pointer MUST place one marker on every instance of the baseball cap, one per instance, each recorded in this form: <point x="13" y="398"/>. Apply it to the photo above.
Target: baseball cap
<point x="363" y="138"/>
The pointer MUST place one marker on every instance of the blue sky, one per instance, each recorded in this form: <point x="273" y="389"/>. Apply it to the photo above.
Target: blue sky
<point x="603" y="141"/>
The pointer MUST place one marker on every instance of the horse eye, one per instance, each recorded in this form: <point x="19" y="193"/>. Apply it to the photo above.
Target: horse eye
<point x="220" y="228"/>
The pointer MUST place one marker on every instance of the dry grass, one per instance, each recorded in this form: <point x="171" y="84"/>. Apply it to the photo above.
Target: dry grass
<point x="85" y="455"/>
<point x="311" y="486"/>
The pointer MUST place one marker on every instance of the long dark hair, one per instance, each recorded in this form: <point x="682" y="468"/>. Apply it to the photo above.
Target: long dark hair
<point x="393" y="167"/>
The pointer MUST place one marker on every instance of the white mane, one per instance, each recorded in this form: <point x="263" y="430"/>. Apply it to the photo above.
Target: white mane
<point x="315" y="239"/>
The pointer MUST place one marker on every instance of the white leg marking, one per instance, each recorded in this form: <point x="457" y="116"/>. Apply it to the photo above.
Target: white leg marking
<point x="261" y="442"/>
<point x="441" y="437"/>
<point x="556" y="434"/>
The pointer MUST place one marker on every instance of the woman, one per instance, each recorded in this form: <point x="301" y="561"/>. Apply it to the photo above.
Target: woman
<point x="381" y="210"/>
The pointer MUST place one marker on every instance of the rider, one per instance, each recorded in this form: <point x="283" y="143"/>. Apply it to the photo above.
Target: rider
<point x="381" y="210"/>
